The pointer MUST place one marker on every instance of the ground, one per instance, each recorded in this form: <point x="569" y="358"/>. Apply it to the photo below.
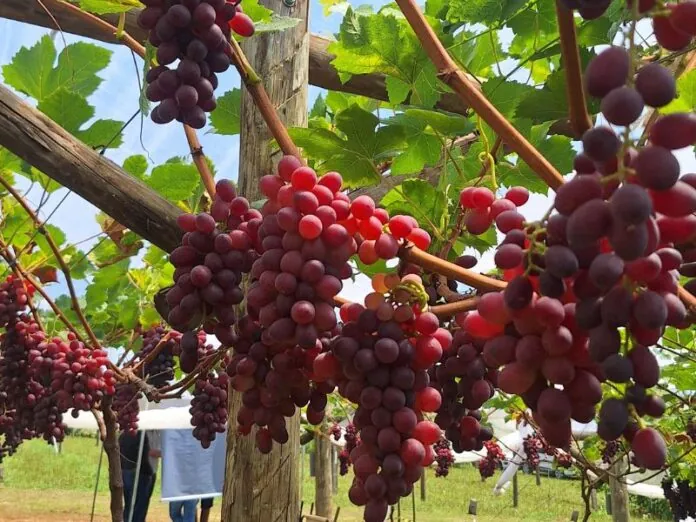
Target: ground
<point x="42" y="486"/>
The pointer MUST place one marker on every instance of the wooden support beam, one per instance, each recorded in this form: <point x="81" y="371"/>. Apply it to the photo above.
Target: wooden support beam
<point x="44" y="144"/>
<point x="264" y="488"/>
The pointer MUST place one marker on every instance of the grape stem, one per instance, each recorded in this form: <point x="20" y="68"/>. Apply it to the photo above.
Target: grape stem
<point x="449" y="73"/>
<point x="59" y="258"/>
<point x="137" y="48"/>
<point x="580" y="120"/>
<point x="201" y="368"/>
<point x="412" y="254"/>
<point x="100" y="423"/>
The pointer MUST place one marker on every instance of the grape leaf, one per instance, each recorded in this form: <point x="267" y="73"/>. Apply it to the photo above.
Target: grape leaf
<point x="355" y="156"/>
<point x="686" y="91"/>
<point x="102" y="133"/>
<point x="174" y="181"/>
<point x="78" y="65"/>
<point x="506" y="95"/>
<point x="477" y="53"/>
<point x="67" y="108"/>
<point x="109" y="6"/>
<point x="136" y="165"/>
<point x="424" y="148"/>
<point x="482" y="11"/>
<point x="225" y="118"/>
<point x="30" y="69"/>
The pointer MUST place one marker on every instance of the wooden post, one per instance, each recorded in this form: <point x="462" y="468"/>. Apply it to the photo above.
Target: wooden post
<point x="263" y="488"/>
<point x="515" y="491"/>
<point x="322" y="481"/>
<point x="538" y="476"/>
<point x="334" y="470"/>
<point x="422" y="485"/>
<point x="594" y="505"/>
<point x="619" y="493"/>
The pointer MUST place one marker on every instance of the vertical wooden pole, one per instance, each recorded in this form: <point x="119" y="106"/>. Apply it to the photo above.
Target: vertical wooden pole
<point x="619" y="493"/>
<point x="422" y="485"/>
<point x="322" y="481"/>
<point x="263" y="488"/>
<point x="515" y="491"/>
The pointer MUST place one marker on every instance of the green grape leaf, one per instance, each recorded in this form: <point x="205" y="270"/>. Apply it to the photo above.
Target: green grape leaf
<point x="67" y="108"/>
<point x="78" y="65"/>
<point x="318" y="108"/>
<point x="174" y="181"/>
<point x="136" y="165"/>
<point x="355" y="156"/>
<point x="477" y="53"/>
<point x="102" y="133"/>
<point x="30" y="69"/>
<point x="225" y="118"/>
<point x="507" y="95"/>
<point x="686" y="95"/>
<point x="109" y="6"/>
<point x="257" y="12"/>
<point x="482" y="11"/>
<point x="423" y="148"/>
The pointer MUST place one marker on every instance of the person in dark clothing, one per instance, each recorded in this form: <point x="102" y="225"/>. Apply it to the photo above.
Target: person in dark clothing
<point x="130" y="445"/>
<point x="206" y="506"/>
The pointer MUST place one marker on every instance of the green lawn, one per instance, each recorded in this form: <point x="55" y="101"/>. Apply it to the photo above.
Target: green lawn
<point x="41" y="486"/>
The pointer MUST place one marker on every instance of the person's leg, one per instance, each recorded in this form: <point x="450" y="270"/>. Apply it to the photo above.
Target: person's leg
<point x="128" y="485"/>
<point x="142" y="500"/>
<point x="148" y="495"/>
<point x="206" y="504"/>
<point x="190" y="510"/>
<point x="175" y="509"/>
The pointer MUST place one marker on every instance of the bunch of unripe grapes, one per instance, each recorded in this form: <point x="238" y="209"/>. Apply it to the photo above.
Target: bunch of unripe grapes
<point x="488" y="464"/>
<point x="443" y="457"/>
<point x="126" y="406"/>
<point x="160" y="370"/>
<point x="216" y="249"/>
<point x="383" y="351"/>
<point x="75" y="374"/>
<point x="196" y="33"/>
<point x="209" y="406"/>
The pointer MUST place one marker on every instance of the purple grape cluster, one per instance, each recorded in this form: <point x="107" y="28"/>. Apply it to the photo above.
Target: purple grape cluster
<point x="209" y="406"/>
<point x="160" y="370"/>
<point x="126" y="406"/>
<point x="196" y="33"/>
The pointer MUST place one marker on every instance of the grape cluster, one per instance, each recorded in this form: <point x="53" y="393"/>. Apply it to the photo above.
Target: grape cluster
<point x="681" y="496"/>
<point x="210" y="262"/>
<point x="483" y="209"/>
<point x="75" y="374"/>
<point x="14" y="299"/>
<point x="443" y="457"/>
<point x="335" y="431"/>
<point x="494" y="456"/>
<point x="192" y="348"/>
<point x="610" y="450"/>
<point x="126" y="406"/>
<point x="531" y="446"/>
<point x="196" y="33"/>
<point x="209" y="406"/>
<point x="352" y="440"/>
<point x="160" y="370"/>
<point x="465" y="382"/>
<point x="384" y="350"/>
<point x="274" y="381"/>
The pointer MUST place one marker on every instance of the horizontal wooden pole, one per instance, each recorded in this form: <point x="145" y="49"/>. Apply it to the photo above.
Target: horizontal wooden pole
<point x="47" y="146"/>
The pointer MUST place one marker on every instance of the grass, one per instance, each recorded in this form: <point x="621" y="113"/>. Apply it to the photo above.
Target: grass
<point x="41" y="486"/>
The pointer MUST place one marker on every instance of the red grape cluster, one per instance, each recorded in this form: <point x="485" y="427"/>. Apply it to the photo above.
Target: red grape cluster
<point x="384" y="350"/>
<point x="126" y="406"/>
<point x="494" y="456"/>
<point x="274" y="381"/>
<point x="483" y="209"/>
<point x="160" y="370"/>
<point x="75" y="374"/>
<point x="352" y="440"/>
<point x="531" y="446"/>
<point x="335" y="431"/>
<point x="210" y="262"/>
<point x="209" y="406"/>
<point x="443" y="457"/>
<point x="192" y="348"/>
<point x="465" y="382"/>
<point x="379" y="234"/>
<point x="196" y="33"/>
<point x="681" y="495"/>
<point x="14" y="298"/>
<point x="611" y="448"/>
